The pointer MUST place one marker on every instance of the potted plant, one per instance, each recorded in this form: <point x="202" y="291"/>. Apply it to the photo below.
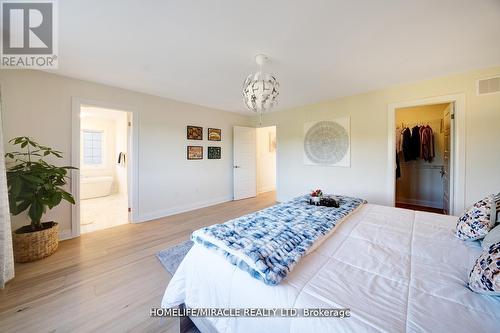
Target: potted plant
<point x="316" y="196"/>
<point x="35" y="185"/>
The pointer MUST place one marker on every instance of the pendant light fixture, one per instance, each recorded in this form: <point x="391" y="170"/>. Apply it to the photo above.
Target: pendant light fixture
<point x="260" y="90"/>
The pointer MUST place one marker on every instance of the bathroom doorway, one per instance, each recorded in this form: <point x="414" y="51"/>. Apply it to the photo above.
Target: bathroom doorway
<point x="102" y="152"/>
<point x="266" y="159"/>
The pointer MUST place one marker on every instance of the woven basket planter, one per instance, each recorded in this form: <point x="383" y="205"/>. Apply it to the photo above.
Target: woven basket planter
<point x="31" y="246"/>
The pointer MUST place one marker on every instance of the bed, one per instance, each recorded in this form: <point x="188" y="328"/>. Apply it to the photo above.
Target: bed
<point x="397" y="270"/>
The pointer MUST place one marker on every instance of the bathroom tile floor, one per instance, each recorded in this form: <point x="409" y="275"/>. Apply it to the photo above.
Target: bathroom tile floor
<point x="104" y="212"/>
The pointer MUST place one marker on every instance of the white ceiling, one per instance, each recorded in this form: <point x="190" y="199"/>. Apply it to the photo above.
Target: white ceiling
<point x="201" y="51"/>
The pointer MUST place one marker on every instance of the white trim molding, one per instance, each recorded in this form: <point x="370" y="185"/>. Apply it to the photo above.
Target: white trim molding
<point x="133" y="169"/>
<point x="457" y="174"/>
<point x="65" y="234"/>
<point x="183" y="208"/>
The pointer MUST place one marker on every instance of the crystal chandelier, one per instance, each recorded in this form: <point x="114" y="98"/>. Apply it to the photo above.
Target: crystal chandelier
<point x="260" y="90"/>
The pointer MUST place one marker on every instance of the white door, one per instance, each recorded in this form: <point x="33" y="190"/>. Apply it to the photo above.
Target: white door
<point x="445" y="172"/>
<point x="244" y="162"/>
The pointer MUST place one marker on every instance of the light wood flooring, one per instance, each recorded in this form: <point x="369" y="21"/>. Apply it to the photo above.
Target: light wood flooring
<point x="420" y="208"/>
<point x="106" y="281"/>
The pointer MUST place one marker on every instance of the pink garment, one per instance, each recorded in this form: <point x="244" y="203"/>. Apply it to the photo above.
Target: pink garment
<point x="399" y="140"/>
<point x="427" y="152"/>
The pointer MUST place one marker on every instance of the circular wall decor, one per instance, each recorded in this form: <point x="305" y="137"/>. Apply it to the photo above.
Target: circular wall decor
<point x="326" y="142"/>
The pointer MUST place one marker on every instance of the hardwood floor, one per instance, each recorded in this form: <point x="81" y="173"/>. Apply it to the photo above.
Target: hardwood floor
<point x="420" y="208"/>
<point x="106" y="281"/>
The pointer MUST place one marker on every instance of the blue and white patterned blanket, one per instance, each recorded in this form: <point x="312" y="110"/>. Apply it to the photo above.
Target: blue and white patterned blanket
<point x="268" y="244"/>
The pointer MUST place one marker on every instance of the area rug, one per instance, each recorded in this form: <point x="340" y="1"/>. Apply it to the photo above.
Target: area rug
<point x="171" y="258"/>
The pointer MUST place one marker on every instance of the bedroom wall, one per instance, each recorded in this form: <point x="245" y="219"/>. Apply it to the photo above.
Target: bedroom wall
<point x="367" y="176"/>
<point x="421" y="182"/>
<point x="39" y="104"/>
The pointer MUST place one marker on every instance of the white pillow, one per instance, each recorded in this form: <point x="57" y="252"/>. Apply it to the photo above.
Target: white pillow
<point x="485" y="275"/>
<point x="477" y="220"/>
<point x="491" y="238"/>
<point x="497" y="205"/>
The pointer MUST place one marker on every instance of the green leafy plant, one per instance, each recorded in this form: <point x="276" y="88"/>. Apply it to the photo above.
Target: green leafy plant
<point x="34" y="184"/>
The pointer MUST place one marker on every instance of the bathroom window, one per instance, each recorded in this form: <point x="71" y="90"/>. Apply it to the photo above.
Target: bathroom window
<point x="92" y="147"/>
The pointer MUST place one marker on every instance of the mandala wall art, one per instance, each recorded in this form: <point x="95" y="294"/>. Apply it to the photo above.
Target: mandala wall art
<point x="328" y="143"/>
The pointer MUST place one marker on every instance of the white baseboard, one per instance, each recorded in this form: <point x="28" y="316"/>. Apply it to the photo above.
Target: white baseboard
<point x="182" y="209"/>
<point x="417" y="202"/>
<point x="65" y="234"/>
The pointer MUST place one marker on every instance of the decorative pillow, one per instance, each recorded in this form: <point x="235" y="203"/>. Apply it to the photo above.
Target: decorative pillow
<point x="485" y="275"/>
<point x="491" y="238"/>
<point x="477" y="220"/>
<point x="497" y="204"/>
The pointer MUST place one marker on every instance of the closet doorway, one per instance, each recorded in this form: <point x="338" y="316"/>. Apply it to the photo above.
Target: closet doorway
<point x="423" y="157"/>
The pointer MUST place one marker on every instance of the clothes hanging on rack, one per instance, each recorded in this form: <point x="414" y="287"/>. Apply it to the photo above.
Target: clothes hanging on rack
<point x="415" y="143"/>
<point x="406" y="145"/>
<point x="398" y="166"/>
<point x="427" y="152"/>
<point x="399" y="140"/>
<point x="399" y="150"/>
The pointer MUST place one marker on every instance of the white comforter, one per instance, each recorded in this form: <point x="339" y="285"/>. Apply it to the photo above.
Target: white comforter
<point x="396" y="269"/>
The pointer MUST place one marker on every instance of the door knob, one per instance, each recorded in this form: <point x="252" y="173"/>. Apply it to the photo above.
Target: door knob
<point x="236" y="167"/>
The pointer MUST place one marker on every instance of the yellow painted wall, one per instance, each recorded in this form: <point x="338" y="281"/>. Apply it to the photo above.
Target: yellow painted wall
<point x="367" y="177"/>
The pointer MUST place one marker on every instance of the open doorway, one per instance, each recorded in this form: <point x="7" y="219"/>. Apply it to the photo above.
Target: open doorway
<point x="423" y="157"/>
<point x="254" y="161"/>
<point x="266" y="159"/>
<point x="104" y="159"/>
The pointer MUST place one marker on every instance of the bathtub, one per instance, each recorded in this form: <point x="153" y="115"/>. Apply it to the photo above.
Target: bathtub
<point x="94" y="187"/>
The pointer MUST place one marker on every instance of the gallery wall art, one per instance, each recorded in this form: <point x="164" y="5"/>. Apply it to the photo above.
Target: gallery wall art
<point x="214" y="134"/>
<point x="194" y="152"/>
<point x="328" y="142"/>
<point x="214" y="153"/>
<point x="194" y="133"/>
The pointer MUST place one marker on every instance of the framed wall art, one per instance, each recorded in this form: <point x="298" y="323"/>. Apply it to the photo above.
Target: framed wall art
<point x="328" y="143"/>
<point x="194" y="152"/>
<point x="194" y="133"/>
<point x="214" y="153"/>
<point x="214" y="134"/>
